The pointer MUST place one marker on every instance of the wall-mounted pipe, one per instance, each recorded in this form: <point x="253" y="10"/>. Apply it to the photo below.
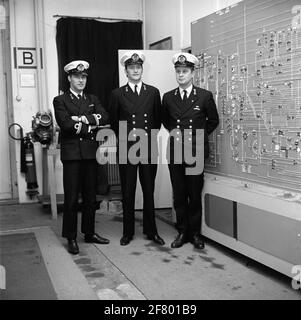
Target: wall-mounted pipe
<point x="40" y="45"/>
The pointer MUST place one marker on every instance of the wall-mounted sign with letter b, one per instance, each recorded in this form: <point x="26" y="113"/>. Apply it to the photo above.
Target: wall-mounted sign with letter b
<point x="26" y="58"/>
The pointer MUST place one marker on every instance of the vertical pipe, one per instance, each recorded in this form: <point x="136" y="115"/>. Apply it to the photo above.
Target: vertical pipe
<point x="41" y="80"/>
<point x="181" y="24"/>
<point x="37" y="19"/>
<point x="143" y="25"/>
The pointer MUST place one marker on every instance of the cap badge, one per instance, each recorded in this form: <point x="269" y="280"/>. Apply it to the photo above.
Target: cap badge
<point x="135" y="57"/>
<point x="80" y="67"/>
<point x="182" y="58"/>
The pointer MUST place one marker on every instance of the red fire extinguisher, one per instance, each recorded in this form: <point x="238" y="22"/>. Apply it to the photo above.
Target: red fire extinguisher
<point x="28" y="166"/>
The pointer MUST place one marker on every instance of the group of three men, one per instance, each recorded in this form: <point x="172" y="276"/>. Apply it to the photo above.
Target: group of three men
<point x="80" y="115"/>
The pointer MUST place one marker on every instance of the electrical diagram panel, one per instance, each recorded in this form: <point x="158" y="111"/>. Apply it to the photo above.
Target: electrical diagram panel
<point x="250" y="58"/>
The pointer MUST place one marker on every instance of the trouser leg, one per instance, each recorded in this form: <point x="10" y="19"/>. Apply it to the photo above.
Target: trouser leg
<point x="147" y="175"/>
<point x="88" y="191"/>
<point x="128" y="177"/>
<point x="71" y="183"/>
<point x="177" y="177"/>
<point x="194" y="185"/>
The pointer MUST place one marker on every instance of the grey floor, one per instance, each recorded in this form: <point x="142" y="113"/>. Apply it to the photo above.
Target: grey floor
<point x="143" y="270"/>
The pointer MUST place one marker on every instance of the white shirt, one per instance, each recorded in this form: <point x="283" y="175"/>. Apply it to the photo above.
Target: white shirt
<point x="188" y="90"/>
<point x="139" y="85"/>
<point x="75" y="93"/>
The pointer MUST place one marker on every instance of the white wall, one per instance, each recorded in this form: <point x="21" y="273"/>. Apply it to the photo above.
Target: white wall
<point x="162" y="19"/>
<point x="173" y="18"/>
<point x="23" y="34"/>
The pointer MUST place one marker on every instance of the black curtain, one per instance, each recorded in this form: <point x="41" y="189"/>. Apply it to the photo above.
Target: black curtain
<point x="98" y="43"/>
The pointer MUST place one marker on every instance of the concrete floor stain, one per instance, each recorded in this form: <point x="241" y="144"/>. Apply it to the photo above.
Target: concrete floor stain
<point x="218" y="266"/>
<point x="95" y="275"/>
<point x="87" y="268"/>
<point x="236" y="288"/>
<point x="83" y="261"/>
<point x="136" y="253"/>
<point x="207" y="259"/>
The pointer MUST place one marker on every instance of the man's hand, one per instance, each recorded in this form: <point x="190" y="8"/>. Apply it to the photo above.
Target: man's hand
<point x="75" y="118"/>
<point x="82" y="119"/>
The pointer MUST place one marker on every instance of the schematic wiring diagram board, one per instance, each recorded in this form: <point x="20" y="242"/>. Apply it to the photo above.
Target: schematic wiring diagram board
<point x="250" y="58"/>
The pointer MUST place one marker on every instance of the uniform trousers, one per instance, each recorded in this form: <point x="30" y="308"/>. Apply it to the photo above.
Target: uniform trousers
<point x="79" y="176"/>
<point x="187" y="199"/>
<point x="128" y="177"/>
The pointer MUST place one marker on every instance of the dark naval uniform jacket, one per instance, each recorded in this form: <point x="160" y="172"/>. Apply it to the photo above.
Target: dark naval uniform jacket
<point x="142" y="112"/>
<point x="78" y="154"/>
<point x="78" y="140"/>
<point x="198" y="112"/>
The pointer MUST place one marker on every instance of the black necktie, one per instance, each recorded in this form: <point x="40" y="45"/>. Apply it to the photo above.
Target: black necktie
<point x="185" y="96"/>
<point x="136" y="91"/>
<point x="79" y="96"/>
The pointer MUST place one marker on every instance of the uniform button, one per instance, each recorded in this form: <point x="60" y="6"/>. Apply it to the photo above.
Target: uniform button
<point x="134" y="122"/>
<point x="145" y="115"/>
<point x="145" y="128"/>
<point x="92" y="138"/>
<point x="190" y="120"/>
<point x="133" y="116"/>
<point x="189" y="139"/>
<point x="81" y="139"/>
<point x="178" y="127"/>
<point x="190" y="132"/>
<point x="178" y="120"/>
<point x="177" y="139"/>
<point x="145" y="121"/>
<point x="178" y="132"/>
<point x="146" y="133"/>
<point x="134" y="128"/>
<point x="134" y="135"/>
<point x="190" y="127"/>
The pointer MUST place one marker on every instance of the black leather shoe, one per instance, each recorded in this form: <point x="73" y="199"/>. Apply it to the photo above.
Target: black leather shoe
<point x="95" y="238"/>
<point x="72" y="246"/>
<point x="198" y="242"/>
<point x="179" y="241"/>
<point x="125" y="240"/>
<point x="157" y="239"/>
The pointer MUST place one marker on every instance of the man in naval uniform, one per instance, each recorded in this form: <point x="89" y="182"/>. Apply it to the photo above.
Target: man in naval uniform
<point x="137" y="105"/>
<point x="79" y="116"/>
<point x="187" y="108"/>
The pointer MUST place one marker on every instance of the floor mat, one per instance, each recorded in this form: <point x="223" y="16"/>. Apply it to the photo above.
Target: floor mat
<point x="26" y="274"/>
